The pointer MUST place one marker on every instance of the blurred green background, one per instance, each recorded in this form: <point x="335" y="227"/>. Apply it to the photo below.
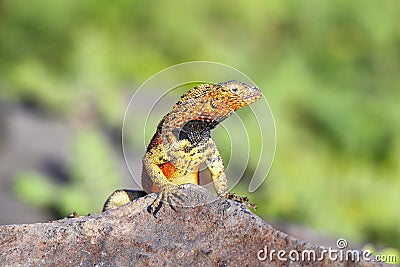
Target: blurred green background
<point x="328" y="69"/>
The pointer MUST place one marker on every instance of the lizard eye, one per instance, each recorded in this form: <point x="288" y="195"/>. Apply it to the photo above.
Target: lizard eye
<point x="234" y="90"/>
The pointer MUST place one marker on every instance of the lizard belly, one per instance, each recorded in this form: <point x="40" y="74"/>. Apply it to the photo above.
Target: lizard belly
<point x="174" y="175"/>
<point x="179" y="176"/>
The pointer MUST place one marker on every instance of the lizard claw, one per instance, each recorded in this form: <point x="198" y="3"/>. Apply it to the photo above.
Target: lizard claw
<point x="171" y="194"/>
<point x="244" y="200"/>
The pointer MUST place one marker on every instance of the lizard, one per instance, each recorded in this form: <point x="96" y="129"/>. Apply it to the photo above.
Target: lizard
<point x="183" y="141"/>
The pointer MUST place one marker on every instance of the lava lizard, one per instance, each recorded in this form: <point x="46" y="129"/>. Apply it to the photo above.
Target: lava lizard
<point x="183" y="141"/>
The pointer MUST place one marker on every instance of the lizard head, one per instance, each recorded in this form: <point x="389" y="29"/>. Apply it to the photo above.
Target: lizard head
<point x="234" y="94"/>
<point x="210" y="103"/>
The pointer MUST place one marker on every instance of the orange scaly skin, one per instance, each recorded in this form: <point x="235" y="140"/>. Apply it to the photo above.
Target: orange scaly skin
<point x="183" y="141"/>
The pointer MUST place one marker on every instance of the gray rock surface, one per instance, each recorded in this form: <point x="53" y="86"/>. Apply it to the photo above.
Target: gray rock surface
<point x="208" y="231"/>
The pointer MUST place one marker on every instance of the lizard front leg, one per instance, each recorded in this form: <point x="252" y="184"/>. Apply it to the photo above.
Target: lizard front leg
<point x="168" y="190"/>
<point x="216" y="166"/>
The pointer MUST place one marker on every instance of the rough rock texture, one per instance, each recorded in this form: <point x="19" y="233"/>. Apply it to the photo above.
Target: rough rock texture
<point x="219" y="233"/>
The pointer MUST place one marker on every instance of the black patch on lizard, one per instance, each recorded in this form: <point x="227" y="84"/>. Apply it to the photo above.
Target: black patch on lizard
<point x="195" y="131"/>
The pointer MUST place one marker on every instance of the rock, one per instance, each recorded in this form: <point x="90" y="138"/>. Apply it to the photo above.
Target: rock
<point x="208" y="231"/>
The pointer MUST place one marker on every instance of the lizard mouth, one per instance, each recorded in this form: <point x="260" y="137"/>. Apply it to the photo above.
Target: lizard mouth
<point x="254" y="93"/>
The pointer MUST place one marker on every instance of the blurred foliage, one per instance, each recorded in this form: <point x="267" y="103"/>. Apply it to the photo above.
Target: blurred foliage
<point x="92" y="174"/>
<point x="329" y="70"/>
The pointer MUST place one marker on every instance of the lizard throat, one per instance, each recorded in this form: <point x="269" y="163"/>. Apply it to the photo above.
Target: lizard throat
<point x="195" y="131"/>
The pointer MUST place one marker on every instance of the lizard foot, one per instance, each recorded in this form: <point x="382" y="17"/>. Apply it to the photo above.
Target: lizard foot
<point x="170" y="193"/>
<point x="244" y="200"/>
